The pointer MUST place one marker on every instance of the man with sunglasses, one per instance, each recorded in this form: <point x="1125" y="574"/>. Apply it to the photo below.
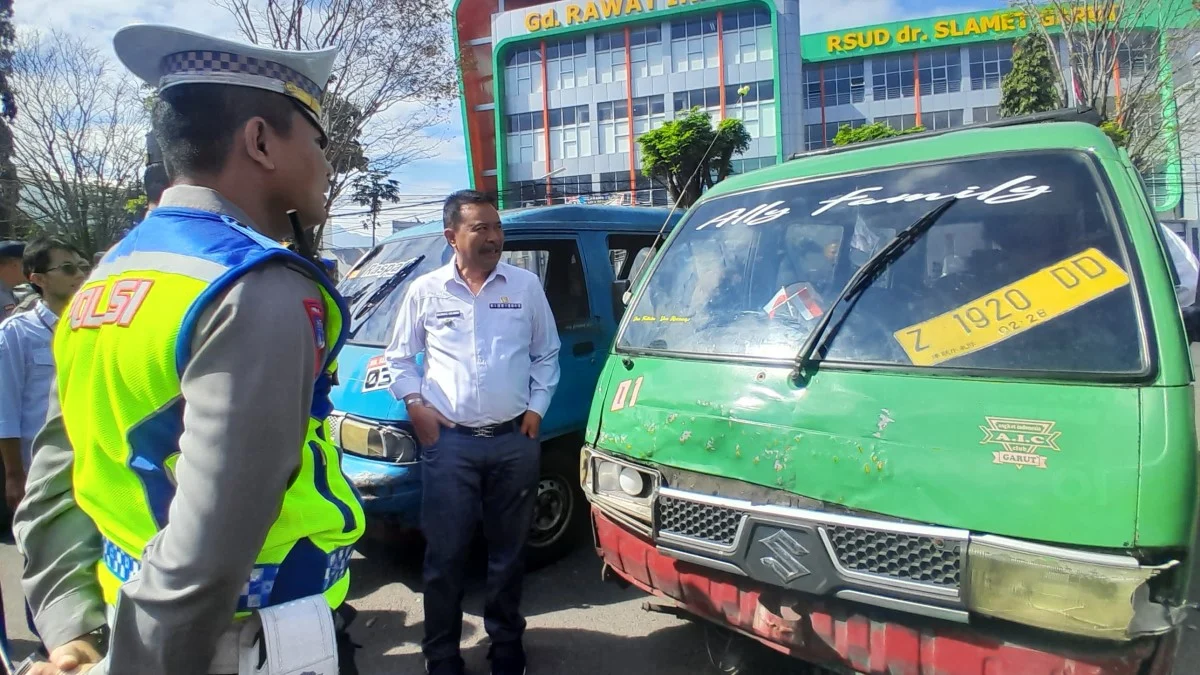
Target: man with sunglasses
<point x="55" y="269"/>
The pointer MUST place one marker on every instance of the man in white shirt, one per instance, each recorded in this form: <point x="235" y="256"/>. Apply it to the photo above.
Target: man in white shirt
<point x="491" y="368"/>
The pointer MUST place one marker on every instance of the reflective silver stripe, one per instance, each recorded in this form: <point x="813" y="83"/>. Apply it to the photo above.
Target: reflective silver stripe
<point x="204" y="270"/>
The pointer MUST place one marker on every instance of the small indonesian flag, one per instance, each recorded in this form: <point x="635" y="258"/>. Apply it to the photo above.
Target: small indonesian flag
<point x="798" y="299"/>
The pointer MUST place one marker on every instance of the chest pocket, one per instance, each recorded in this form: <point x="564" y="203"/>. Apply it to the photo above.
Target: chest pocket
<point x="42" y="359"/>
<point x="509" y="316"/>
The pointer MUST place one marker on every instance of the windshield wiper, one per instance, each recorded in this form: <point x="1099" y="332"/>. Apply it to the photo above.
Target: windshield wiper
<point x="863" y="278"/>
<point x="373" y="301"/>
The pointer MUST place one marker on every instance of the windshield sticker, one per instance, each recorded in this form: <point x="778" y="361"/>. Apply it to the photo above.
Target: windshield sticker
<point x="796" y="301"/>
<point x="1040" y="297"/>
<point x="382" y="269"/>
<point x="1021" y="440"/>
<point x="1005" y="193"/>
<point x="648" y="318"/>
<point x="378" y="375"/>
<point x="763" y="213"/>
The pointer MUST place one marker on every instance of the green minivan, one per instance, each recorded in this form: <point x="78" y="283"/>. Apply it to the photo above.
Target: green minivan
<point x="917" y="406"/>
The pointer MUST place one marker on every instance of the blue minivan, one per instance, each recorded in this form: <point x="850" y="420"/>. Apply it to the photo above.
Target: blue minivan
<point x="586" y="257"/>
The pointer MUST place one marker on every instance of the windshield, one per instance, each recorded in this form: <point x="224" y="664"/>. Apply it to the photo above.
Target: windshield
<point x="1026" y="271"/>
<point x="381" y="264"/>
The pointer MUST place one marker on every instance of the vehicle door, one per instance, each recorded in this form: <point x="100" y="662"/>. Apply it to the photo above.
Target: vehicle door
<point x="558" y="260"/>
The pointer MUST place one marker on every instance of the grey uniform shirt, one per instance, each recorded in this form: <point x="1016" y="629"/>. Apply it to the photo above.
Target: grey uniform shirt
<point x="247" y="393"/>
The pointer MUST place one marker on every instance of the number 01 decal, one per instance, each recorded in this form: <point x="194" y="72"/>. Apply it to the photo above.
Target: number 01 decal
<point x="627" y="389"/>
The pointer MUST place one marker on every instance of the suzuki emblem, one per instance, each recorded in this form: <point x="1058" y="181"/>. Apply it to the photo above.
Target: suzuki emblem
<point x="785" y="561"/>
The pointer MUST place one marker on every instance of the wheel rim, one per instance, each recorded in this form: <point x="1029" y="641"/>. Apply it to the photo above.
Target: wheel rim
<point x="551" y="511"/>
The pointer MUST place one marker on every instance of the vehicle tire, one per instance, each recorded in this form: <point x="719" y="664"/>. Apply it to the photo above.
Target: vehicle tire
<point x="731" y="653"/>
<point x="560" y="512"/>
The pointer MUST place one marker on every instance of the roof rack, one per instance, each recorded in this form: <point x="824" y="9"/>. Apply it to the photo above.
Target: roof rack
<point x="1085" y="114"/>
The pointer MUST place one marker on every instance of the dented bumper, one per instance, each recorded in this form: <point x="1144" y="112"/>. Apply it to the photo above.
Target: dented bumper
<point x="390" y="492"/>
<point x="837" y="633"/>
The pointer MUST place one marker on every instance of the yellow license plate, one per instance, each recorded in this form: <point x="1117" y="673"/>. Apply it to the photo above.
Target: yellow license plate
<point x="1024" y="304"/>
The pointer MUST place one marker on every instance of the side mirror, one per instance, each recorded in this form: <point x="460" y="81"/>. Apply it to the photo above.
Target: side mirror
<point x="620" y="297"/>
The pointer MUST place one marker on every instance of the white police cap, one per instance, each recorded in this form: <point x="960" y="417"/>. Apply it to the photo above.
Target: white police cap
<point x="165" y="56"/>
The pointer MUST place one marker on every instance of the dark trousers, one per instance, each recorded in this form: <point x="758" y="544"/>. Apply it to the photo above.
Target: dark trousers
<point x="466" y="480"/>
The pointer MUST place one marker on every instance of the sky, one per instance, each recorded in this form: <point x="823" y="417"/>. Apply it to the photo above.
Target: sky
<point x="446" y="168"/>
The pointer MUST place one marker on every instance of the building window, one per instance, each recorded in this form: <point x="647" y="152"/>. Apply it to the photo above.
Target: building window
<point x="747" y="36"/>
<point x="570" y="132"/>
<point x="747" y="165"/>
<point x="523" y="74"/>
<point x="892" y="77"/>
<point x="989" y="64"/>
<point x="526" y="138"/>
<point x="650" y="192"/>
<point x="942" y="119"/>
<point x="610" y="57"/>
<point x="1137" y="54"/>
<point x="613" y="182"/>
<point x="527" y="192"/>
<point x="812" y="85"/>
<point x="985" y="114"/>
<point x="817" y="136"/>
<point x="709" y="99"/>
<point x="756" y="109"/>
<point x="566" y="64"/>
<point x="564" y="188"/>
<point x="899" y="122"/>
<point x="613" y="117"/>
<point x="649" y="113"/>
<point x="646" y="51"/>
<point x="941" y="71"/>
<point x="694" y="44"/>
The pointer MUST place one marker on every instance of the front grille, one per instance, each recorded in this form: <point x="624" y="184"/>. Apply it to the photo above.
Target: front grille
<point x="906" y="557"/>
<point x="715" y="524"/>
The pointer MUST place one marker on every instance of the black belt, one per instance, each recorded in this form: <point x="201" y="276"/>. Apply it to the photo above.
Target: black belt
<point x="490" y="431"/>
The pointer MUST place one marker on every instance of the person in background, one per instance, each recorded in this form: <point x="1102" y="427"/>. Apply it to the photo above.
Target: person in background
<point x="491" y="368"/>
<point x="56" y="269"/>
<point x="11" y="275"/>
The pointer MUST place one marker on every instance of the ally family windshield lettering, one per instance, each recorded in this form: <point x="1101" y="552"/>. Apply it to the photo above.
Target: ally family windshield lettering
<point x="1014" y="190"/>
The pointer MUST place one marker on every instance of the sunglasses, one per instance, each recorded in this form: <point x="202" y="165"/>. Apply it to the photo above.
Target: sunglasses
<point x="70" y="269"/>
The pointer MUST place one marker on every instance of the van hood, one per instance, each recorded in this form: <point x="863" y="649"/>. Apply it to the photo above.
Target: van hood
<point x="362" y="388"/>
<point x="1051" y="462"/>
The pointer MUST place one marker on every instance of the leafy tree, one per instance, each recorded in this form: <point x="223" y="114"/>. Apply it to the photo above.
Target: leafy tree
<point x="10" y="188"/>
<point x="372" y="189"/>
<point x="1030" y="86"/>
<point x="848" y="135"/>
<point x="688" y="155"/>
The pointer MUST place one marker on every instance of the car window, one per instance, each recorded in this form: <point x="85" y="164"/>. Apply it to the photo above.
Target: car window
<point x="624" y="252"/>
<point x="377" y="272"/>
<point x="1026" y="272"/>
<point x="559" y="266"/>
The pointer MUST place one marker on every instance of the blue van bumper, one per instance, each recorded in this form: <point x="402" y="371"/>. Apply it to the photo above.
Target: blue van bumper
<point x="390" y="492"/>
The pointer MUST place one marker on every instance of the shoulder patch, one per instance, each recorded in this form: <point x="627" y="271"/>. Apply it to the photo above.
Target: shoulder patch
<point x="315" y="310"/>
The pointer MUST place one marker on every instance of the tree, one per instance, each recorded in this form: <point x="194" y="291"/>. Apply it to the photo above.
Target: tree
<point x="688" y="155"/>
<point x="1030" y="86"/>
<point x="372" y="189"/>
<point x="1118" y="57"/>
<point x="393" y="81"/>
<point x="9" y="186"/>
<point x="79" y="140"/>
<point x="848" y="135"/>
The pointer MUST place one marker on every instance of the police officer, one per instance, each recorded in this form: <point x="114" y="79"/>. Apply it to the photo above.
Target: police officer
<point x="187" y="480"/>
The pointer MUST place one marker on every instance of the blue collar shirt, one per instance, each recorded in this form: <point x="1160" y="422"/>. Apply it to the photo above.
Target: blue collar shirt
<point x="26" y="372"/>
<point x="488" y="357"/>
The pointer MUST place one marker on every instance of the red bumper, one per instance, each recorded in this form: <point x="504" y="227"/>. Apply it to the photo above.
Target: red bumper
<point x="832" y="634"/>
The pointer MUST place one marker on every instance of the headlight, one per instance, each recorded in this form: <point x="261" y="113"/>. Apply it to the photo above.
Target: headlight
<point x="374" y="440"/>
<point x="619" y="485"/>
<point x="1099" y="596"/>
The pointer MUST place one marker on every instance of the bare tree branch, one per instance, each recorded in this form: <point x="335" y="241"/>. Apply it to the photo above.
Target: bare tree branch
<point x="393" y="80"/>
<point x="79" y="140"/>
